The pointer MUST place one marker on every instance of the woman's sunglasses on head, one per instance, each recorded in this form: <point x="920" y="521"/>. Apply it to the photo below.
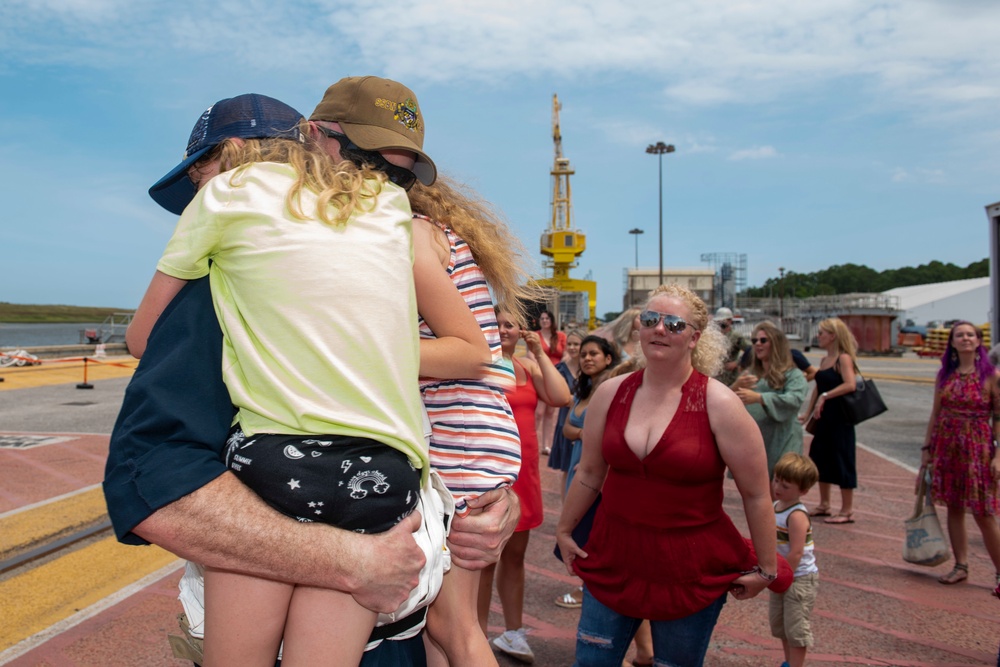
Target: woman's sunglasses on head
<point x="672" y="323"/>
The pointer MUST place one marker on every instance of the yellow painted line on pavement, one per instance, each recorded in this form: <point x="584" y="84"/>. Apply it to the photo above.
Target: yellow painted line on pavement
<point x="900" y="378"/>
<point x="22" y="530"/>
<point x="57" y="371"/>
<point x="56" y="590"/>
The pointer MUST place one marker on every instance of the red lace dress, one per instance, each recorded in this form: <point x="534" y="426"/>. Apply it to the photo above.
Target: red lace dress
<point x="962" y="447"/>
<point x="661" y="547"/>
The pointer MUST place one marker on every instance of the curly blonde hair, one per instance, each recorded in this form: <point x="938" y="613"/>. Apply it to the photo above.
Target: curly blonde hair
<point x="341" y="188"/>
<point x="710" y="351"/>
<point x="497" y="251"/>
<point x="622" y="325"/>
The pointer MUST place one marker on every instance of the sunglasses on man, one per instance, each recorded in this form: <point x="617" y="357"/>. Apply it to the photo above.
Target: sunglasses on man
<point x="349" y="150"/>
<point x="672" y="323"/>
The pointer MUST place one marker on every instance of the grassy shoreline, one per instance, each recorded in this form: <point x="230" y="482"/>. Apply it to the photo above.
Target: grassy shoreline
<point x="42" y="314"/>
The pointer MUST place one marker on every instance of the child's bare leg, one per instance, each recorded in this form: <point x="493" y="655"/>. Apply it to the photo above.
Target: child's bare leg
<point x="244" y="618"/>
<point x="453" y="623"/>
<point x="435" y="655"/>
<point x="325" y="627"/>
<point x="796" y="656"/>
<point x="485" y="595"/>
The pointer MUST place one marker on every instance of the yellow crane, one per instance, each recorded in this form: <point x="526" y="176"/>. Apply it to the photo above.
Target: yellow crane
<point x="561" y="243"/>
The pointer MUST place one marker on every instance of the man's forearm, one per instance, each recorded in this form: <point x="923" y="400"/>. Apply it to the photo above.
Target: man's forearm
<point x="225" y="525"/>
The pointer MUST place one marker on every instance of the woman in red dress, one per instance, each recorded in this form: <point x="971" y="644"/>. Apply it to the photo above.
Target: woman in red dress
<point x="959" y="447"/>
<point x="554" y="347"/>
<point x="658" y="442"/>
<point x="538" y="382"/>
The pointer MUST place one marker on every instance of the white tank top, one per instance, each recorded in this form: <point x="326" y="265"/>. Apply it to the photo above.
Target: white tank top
<point x="808" y="563"/>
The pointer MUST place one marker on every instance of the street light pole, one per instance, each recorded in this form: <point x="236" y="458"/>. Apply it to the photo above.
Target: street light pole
<point x="658" y="149"/>
<point x="635" y="231"/>
<point x="781" y="294"/>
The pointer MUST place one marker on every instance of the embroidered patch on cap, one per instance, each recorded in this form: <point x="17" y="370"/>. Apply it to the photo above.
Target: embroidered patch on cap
<point x="406" y="114"/>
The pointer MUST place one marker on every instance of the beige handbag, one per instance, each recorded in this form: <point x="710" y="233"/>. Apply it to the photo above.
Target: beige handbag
<point x="925" y="542"/>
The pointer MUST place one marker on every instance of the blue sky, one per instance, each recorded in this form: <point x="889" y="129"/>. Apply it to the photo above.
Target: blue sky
<point x="807" y="133"/>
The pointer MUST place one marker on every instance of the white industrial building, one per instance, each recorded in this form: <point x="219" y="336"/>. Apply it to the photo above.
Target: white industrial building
<point x="938" y="302"/>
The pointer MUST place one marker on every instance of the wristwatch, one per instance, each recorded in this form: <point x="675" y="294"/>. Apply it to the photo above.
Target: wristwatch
<point x="823" y="395"/>
<point x="764" y="575"/>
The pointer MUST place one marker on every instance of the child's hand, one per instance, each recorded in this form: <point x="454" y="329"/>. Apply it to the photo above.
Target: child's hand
<point x="747" y="586"/>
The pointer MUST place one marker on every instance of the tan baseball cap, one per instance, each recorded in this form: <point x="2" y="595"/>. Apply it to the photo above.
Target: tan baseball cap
<point x="376" y="114"/>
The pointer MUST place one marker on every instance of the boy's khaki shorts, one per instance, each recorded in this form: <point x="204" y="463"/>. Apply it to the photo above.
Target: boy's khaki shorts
<point x="790" y="611"/>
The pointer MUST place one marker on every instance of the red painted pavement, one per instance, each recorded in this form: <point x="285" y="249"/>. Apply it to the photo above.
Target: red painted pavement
<point x="872" y="609"/>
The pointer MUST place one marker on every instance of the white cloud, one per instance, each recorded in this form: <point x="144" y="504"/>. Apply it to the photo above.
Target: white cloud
<point x="913" y="52"/>
<point x="755" y="153"/>
<point x="918" y="175"/>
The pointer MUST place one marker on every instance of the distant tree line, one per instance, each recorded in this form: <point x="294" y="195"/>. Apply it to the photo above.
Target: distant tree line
<point x="27" y="313"/>
<point x="848" y="278"/>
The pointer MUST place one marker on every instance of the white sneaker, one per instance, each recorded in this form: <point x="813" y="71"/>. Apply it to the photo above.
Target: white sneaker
<point x="514" y="644"/>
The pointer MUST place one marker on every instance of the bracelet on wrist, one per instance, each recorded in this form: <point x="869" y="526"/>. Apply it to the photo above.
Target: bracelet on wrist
<point x="765" y="576"/>
<point x="760" y="573"/>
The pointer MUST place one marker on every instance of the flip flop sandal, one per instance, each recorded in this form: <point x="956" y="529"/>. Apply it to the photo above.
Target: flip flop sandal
<point x="820" y="511"/>
<point x="840" y="519"/>
<point x="958" y="574"/>
<point x="573" y="600"/>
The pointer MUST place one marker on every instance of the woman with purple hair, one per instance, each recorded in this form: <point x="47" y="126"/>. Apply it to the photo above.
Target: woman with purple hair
<point x="959" y="448"/>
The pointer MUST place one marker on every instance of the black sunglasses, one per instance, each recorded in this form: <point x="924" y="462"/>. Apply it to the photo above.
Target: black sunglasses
<point x="760" y="340"/>
<point x="673" y="323"/>
<point x="349" y="150"/>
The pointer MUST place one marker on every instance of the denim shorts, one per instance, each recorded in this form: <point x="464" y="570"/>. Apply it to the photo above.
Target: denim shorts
<point x="603" y="635"/>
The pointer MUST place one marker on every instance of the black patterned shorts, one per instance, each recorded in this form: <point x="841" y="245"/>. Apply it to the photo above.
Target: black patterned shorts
<point x="353" y="483"/>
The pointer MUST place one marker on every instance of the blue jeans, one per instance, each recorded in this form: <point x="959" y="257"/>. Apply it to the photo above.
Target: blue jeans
<point x="604" y="635"/>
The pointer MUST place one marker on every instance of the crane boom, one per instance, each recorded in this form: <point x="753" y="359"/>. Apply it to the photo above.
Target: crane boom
<point x="561" y="243"/>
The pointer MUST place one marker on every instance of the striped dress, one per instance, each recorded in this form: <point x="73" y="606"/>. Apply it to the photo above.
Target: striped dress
<point x="474" y="442"/>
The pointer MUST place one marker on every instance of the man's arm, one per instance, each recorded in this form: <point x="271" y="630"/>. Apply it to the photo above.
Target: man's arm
<point x="226" y="525"/>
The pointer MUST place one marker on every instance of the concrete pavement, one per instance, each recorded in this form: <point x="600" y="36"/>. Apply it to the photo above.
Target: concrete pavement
<point x="873" y="609"/>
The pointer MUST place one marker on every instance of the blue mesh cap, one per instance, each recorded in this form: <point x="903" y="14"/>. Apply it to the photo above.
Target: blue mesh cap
<point x="249" y="116"/>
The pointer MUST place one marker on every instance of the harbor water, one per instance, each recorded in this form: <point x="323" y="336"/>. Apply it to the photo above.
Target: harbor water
<point x="18" y="335"/>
